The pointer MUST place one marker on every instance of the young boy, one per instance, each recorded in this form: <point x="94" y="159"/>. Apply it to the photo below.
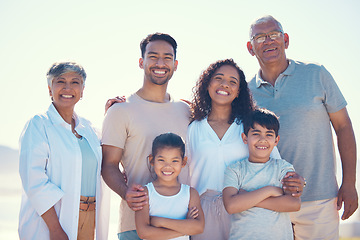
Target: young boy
<point x="252" y="187"/>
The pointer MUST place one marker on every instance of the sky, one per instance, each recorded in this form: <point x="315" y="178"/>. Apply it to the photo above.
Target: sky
<point x="104" y="37"/>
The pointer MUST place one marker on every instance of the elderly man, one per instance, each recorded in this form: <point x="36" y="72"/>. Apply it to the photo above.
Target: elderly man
<point x="308" y="102"/>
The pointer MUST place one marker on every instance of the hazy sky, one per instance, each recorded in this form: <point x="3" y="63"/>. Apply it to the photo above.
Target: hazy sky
<point x="104" y="37"/>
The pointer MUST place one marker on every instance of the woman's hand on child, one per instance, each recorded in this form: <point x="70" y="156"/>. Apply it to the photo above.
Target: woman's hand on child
<point x="136" y="197"/>
<point x="192" y="213"/>
<point x="293" y="184"/>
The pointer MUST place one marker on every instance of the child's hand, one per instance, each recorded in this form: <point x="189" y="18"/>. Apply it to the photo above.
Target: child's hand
<point x="192" y="213"/>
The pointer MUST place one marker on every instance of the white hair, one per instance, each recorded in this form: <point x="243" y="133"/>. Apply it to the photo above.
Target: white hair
<point x="60" y="68"/>
<point x="264" y="19"/>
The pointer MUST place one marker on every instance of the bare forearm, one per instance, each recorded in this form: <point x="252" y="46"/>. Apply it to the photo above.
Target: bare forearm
<point x="114" y="179"/>
<point x="53" y="224"/>
<point x="110" y="169"/>
<point x="245" y="200"/>
<point x="285" y="203"/>
<point x="157" y="233"/>
<point x="184" y="226"/>
<point x="347" y="150"/>
<point x="51" y="219"/>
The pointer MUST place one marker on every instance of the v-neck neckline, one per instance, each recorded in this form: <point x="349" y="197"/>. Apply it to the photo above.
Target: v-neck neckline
<point x="212" y="131"/>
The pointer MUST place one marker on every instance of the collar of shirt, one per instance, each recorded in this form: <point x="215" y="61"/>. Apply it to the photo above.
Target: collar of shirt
<point x="58" y="120"/>
<point x="288" y="71"/>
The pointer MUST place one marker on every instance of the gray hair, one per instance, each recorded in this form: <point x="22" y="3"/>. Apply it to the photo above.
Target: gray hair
<point x="264" y="19"/>
<point x="59" y="68"/>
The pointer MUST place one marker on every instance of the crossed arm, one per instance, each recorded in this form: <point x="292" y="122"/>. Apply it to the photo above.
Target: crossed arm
<point x="164" y="228"/>
<point x="268" y="197"/>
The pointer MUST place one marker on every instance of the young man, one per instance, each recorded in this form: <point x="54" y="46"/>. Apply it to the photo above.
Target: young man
<point x="253" y="186"/>
<point x="307" y="101"/>
<point x="130" y="127"/>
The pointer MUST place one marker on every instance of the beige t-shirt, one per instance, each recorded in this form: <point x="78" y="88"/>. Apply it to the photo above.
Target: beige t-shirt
<point x="132" y="126"/>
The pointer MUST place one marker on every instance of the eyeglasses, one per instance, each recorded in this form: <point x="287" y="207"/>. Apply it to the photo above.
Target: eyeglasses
<point x="260" y="38"/>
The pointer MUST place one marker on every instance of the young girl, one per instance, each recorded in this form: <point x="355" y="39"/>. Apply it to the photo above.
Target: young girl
<point x="174" y="209"/>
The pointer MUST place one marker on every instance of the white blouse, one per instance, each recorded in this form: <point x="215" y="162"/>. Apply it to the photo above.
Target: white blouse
<point x="208" y="156"/>
<point x="50" y="170"/>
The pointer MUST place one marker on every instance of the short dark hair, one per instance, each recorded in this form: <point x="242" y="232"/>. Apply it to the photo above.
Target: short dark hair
<point x="165" y="140"/>
<point x="157" y="36"/>
<point x="264" y="118"/>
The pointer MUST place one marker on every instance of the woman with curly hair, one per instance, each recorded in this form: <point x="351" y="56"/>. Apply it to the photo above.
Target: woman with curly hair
<point x="221" y="100"/>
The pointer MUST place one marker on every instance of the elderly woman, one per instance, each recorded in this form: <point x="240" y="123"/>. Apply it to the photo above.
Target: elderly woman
<point x="60" y="163"/>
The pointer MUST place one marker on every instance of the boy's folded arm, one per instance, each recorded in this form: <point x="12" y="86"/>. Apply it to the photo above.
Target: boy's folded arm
<point x="236" y="201"/>
<point x="283" y="203"/>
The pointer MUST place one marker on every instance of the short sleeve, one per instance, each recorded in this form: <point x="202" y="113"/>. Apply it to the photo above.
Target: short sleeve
<point x="232" y="176"/>
<point x="114" y="130"/>
<point x="285" y="168"/>
<point x="334" y="100"/>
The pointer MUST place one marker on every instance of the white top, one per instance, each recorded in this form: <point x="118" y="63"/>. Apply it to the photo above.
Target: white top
<point x="258" y="223"/>
<point x="173" y="207"/>
<point x="208" y="156"/>
<point x="50" y="170"/>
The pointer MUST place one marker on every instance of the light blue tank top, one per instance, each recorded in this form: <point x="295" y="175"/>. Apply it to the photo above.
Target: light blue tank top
<point x="89" y="169"/>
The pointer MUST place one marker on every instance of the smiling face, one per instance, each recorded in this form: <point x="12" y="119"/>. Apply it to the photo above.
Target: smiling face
<point x="66" y="90"/>
<point x="261" y="142"/>
<point x="167" y="164"/>
<point x="271" y="50"/>
<point x="159" y="62"/>
<point x="224" y="85"/>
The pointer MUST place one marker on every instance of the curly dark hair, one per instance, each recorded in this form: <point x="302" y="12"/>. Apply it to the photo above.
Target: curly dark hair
<point x="201" y="103"/>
